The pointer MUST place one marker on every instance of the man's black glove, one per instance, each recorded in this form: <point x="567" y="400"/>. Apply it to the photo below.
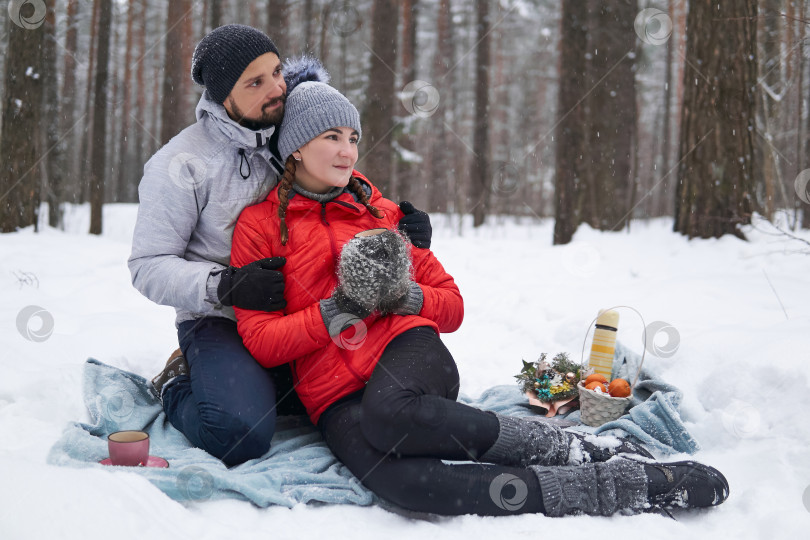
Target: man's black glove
<point x="415" y="224"/>
<point x="258" y="286"/>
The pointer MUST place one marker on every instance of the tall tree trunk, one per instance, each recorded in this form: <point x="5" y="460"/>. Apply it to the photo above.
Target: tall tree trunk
<point x="278" y="20"/>
<point x="410" y="16"/>
<point x="570" y="166"/>
<point x="174" y="113"/>
<point x="406" y="171"/>
<point x="806" y="164"/>
<point x="3" y="43"/>
<point x="801" y="137"/>
<point x="140" y="100"/>
<point x="98" y="168"/>
<point x="124" y="152"/>
<point x="440" y="157"/>
<point x="715" y="180"/>
<point x="187" y="94"/>
<point x="378" y="115"/>
<point x="215" y="14"/>
<point x="770" y="76"/>
<point x="679" y="11"/>
<point x="19" y="136"/>
<point x="52" y="134"/>
<point x="205" y="20"/>
<point x="87" y="132"/>
<point x="481" y="181"/>
<point x="790" y="165"/>
<point x="463" y="113"/>
<point x="502" y="171"/>
<point x="308" y="47"/>
<point x="326" y="16"/>
<point x="254" y="19"/>
<point x="155" y="118"/>
<point x="240" y="12"/>
<point x="69" y="126"/>
<point x="612" y="107"/>
<point x="532" y="123"/>
<point x="633" y="173"/>
<point x="113" y="175"/>
<point x="664" y="191"/>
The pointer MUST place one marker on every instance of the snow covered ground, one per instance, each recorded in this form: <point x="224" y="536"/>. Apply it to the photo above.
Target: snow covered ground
<point x="741" y="312"/>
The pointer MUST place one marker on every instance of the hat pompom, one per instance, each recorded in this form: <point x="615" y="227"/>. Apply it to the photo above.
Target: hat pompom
<point x="304" y="69"/>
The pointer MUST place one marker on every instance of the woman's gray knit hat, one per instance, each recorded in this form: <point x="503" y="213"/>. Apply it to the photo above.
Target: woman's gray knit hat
<point x="222" y="56"/>
<point x="312" y="106"/>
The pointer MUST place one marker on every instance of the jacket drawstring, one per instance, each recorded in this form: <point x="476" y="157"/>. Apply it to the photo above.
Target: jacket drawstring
<point x="242" y="162"/>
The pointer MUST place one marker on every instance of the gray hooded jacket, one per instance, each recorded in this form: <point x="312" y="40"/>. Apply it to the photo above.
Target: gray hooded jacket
<point x="192" y="192"/>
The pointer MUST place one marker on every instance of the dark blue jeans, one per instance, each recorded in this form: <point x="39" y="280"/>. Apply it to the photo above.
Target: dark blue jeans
<point x="228" y="403"/>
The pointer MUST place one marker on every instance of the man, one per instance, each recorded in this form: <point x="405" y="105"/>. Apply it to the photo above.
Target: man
<point x="191" y="194"/>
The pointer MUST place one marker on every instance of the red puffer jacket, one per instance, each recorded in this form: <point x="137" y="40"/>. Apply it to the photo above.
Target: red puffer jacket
<point x="326" y="370"/>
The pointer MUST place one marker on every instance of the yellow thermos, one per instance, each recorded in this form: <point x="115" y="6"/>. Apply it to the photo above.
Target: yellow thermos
<point x="604" y="342"/>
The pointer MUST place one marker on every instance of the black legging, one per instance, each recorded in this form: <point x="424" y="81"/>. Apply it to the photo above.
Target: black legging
<point x="395" y="432"/>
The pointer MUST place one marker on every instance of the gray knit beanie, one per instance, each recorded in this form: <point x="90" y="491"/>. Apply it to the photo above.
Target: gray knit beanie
<point x="312" y="106"/>
<point x="221" y="57"/>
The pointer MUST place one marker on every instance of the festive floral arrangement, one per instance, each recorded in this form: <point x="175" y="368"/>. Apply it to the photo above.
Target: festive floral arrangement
<point x="552" y="381"/>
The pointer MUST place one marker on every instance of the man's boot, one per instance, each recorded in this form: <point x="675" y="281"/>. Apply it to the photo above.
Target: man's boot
<point x="175" y="367"/>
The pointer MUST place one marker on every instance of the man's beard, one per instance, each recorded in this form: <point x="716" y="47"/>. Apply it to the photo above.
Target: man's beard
<point x="265" y="120"/>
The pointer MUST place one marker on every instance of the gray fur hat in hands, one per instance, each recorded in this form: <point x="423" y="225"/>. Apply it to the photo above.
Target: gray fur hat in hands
<point x="374" y="271"/>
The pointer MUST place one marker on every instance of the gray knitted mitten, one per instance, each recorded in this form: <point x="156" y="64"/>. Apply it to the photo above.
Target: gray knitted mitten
<point x="375" y="269"/>
<point x="374" y="272"/>
<point x="594" y="488"/>
<point x="409" y="304"/>
<point x="522" y="443"/>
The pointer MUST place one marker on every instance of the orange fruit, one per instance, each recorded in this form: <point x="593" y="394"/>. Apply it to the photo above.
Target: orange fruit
<point x="597" y="386"/>
<point x="596" y="377"/>
<point x="619" y="388"/>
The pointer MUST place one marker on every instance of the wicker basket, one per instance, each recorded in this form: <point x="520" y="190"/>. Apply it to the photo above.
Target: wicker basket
<point x="597" y="409"/>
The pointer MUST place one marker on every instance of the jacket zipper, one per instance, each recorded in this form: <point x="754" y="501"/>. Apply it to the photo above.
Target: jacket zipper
<point x="332" y="239"/>
<point x="335" y="254"/>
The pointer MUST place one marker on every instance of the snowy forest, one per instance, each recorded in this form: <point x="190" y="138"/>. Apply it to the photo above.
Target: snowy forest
<point x="651" y="157"/>
<point x="588" y="112"/>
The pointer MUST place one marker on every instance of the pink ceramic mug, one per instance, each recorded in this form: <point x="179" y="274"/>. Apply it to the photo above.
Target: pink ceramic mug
<point x="128" y="448"/>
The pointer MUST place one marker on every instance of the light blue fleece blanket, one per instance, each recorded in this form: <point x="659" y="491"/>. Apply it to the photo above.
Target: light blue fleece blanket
<point x="298" y="468"/>
<point x="653" y="416"/>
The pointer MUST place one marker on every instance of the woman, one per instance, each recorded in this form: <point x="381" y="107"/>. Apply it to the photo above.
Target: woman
<point x="361" y="330"/>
